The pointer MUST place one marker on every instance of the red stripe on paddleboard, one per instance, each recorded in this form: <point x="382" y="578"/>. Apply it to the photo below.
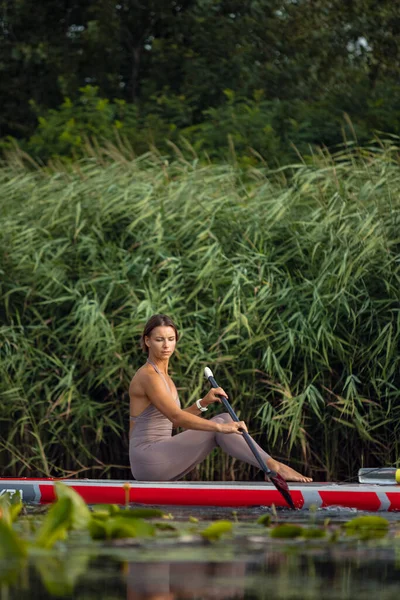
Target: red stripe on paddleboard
<point x="178" y="496"/>
<point x="91" y="494"/>
<point x="218" y="497"/>
<point x="394" y="500"/>
<point x="360" y="500"/>
<point x="47" y="494"/>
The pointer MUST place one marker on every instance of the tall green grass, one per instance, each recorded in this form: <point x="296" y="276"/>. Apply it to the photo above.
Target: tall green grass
<point x="285" y="283"/>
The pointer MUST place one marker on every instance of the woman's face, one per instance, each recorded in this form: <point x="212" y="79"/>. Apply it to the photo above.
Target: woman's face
<point x="161" y="342"/>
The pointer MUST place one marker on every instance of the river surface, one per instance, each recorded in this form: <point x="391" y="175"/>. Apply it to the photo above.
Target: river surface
<point x="248" y="565"/>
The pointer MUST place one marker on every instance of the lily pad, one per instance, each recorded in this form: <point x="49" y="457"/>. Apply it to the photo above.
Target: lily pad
<point x="101" y="515"/>
<point x="110" y="509"/>
<point x="119" y="528"/>
<point x="264" y="520"/>
<point x="165" y="526"/>
<point x="287" y="531"/>
<point x="367" y="527"/>
<point x="215" y="530"/>
<point x="313" y="533"/>
<point x="142" y="513"/>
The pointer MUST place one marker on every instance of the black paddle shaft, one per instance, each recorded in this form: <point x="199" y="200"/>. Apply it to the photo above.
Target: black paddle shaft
<point x="276" y="479"/>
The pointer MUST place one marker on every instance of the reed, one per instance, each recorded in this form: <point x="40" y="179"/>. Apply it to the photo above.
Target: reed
<point x="285" y="283"/>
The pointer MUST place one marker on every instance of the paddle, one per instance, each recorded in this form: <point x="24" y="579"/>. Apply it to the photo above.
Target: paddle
<point x="276" y="479"/>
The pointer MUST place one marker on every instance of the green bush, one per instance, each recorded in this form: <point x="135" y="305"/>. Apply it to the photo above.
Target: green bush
<point x="72" y="129"/>
<point x="242" y="127"/>
<point x="240" y="130"/>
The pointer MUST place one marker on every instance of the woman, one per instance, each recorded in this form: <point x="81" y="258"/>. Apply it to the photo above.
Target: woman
<point x="156" y="455"/>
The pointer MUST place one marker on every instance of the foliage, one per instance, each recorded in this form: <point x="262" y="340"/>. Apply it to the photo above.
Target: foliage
<point x="240" y="126"/>
<point x="286" y="283"/>
<point x="241" y="129"/>
<point x="216" y="530"/>
<point x="69" y="130"/>
<point x="367" y="527"/>
<point x="117" y="527"/>
<point x="264" y="520"/>
<point x="318" y="65"/>
<point x="69" y="512"/>
<point x="11" y="546"/>
<point x="287" y="530"/>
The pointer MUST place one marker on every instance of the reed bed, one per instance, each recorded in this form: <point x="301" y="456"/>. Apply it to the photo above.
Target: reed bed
<point x="285" y="283"/>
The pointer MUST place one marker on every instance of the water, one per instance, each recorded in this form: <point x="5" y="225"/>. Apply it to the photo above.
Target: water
<point x="250" y="565"/>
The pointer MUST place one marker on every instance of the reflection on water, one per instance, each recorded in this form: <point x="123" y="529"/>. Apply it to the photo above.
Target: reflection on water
<point x="167" y="581"/>
<point x="284" y="572"/>
<point x="250" y="566"/>
<point x="277" y="575"/>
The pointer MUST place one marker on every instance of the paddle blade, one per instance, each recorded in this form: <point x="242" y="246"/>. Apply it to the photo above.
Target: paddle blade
<point x="283" y="488"/>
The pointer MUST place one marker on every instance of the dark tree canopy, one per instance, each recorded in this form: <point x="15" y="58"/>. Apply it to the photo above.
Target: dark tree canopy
<point x="325" y="55"/>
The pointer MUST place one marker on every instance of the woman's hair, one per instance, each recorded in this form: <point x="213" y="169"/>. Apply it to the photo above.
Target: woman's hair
<point x="156" y="321"/>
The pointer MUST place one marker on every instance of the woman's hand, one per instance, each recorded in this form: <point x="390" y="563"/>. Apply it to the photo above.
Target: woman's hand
<point x="233" y="427"/>
<point x="213" y="396"/>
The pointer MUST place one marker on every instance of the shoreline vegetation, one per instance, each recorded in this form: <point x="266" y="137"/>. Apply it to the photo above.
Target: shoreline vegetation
<point x="285" y="282"/>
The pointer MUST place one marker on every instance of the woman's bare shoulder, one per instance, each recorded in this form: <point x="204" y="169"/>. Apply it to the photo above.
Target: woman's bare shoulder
<point x="144" y="374"/>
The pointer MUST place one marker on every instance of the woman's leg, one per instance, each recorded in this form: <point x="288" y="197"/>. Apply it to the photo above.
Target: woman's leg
<point x="171" y="459"/>
<point x="236" y="446"/>
<point x="175" y="457"/>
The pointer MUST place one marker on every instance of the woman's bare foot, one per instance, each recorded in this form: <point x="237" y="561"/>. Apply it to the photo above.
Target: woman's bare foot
<point x="287" y="472"/>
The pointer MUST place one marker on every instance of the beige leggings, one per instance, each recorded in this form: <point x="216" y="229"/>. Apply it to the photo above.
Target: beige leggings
<point x="172" y="458"/>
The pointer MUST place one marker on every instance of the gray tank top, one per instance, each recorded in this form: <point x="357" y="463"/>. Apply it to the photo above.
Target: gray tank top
<point x="151" y="425"/>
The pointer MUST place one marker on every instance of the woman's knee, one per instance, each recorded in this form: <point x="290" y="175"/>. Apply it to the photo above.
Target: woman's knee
<point x="222" y="418"/>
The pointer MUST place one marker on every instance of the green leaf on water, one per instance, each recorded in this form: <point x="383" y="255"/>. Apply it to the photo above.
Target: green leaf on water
<point x="98" y="529"/>
<point x="367" y="527"/>
<point x="80" y="513"/>
<point x="15" y="509"/>
<point x="60" y="574"/>
<point x="216" y="530"/>
<point x="101" y="515"/>
<point x="16" y="505"/>
<point x="368" y="522"/>
<point x="56" y="523"/>
<point x="5" y="513"/>
<point x="142" y="513"/>
<point x="264" y="520"/>
<point x="287" y="531"/>
<point x="168" y="516"/>
<point x="119" y="528"/>
<point x="110" y="509"/>
<point x="165" y="526"/>
<point x="11" y="546"/>
<point x="313" y="533"/>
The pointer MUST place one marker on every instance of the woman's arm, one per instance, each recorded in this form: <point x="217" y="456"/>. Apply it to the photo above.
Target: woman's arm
<point x="155" y="391"/>
<point x="212" y="396"/>
<point x="193" y="410"/>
